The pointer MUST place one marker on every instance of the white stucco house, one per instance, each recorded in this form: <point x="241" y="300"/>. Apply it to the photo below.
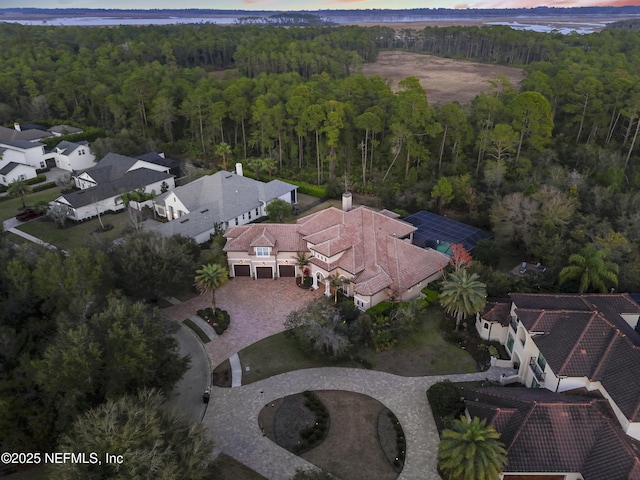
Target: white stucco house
<point x="102" y="186"/>
<point x="25" y="152"/>
<point x="73" y="157"/>
<point x="565" y="342"/>
<point x="12" y="171"/>
<point x="369" y="251"/>
<point x="221" y="200"/>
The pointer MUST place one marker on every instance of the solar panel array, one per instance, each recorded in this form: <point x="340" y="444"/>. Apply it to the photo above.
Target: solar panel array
<point x="435" y="230"/>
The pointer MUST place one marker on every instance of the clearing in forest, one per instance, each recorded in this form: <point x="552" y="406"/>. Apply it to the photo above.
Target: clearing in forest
<point x="444" y="79"/>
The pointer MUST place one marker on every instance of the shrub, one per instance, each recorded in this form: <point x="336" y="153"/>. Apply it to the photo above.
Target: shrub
<point x="383" y="308"/>
<point x="444" y="398"/>
<point x="220" y="318"/>
<point x="44" y="186"/>
<point x="37" y="179"/>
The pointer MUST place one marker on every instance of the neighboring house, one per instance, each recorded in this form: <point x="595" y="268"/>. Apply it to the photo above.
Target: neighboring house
<point x="563" y="342"/>
<point x="369" y="251"/>
<point x="11" y="172"/>
<point x="72" y="156"/>
<point x="102" y="186"/>
<point x="221" y="200"/>
<point x="25" y="152"/>
<point x="438" y="232"/>
<point x="112" y="168"/>
<point x="26" y="134"/>
<point x="60" y="130"/>
<point x="158" y="158"/>
<point x="556" y="436"/>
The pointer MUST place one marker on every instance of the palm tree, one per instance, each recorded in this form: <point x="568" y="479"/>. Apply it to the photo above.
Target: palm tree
<point x="209" y="278"/>
<point x="18" y="188"/>
<point x="222" y="150"/>
<point x="302" y="262"/>
<point x="463" y="294"/>
<point x="336" y="281"/>
<point x="471" y="450"/>
<point x="590" y="269"/>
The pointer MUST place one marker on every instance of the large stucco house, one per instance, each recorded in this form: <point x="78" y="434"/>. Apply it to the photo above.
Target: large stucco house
<point x="370" y="251"/>
<point x="222" y="200"/>
<point x="101" y="186"/>
<point x="565" y="342"/>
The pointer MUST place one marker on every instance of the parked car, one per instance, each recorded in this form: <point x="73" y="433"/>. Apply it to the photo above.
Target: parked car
<point x="28" y="214"/>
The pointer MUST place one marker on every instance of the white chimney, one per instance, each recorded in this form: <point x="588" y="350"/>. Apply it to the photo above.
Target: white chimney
<point x="17" y="126"/>
<point x="239" y="169"/>
<point x="346" y="201"/>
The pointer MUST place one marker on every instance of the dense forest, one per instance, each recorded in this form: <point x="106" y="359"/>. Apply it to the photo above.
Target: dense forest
<point x="563" y="143"/>
<point x="550" y="166"/>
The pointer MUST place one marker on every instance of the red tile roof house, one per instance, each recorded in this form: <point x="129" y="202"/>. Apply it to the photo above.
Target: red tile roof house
<point x="556" y="436"/>
<point x="371" y="251"/>
<point x="565" y="342"/>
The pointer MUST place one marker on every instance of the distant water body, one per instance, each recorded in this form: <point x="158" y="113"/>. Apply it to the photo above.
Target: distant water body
<point x="518" y="24"/>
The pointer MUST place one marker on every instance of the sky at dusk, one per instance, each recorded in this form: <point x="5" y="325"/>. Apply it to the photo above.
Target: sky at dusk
<point x="307" y="5"/>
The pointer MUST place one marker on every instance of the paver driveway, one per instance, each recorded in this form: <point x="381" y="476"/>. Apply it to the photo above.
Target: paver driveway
<point x="258" y="309"/>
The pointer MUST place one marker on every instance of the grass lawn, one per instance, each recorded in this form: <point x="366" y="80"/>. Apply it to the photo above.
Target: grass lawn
<point x="424" y="352"/>
<point x="264" y="362"/>
<point x="13" y="206"/>
<point x="76" y="235"/>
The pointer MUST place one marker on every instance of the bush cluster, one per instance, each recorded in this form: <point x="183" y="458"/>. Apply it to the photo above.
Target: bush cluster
<point x="401" y="443"/>
<point x="37" y="179"/>
<point x="220" y="319"/>
<point x="315" y="434"/>
<point x="44" y="186"/>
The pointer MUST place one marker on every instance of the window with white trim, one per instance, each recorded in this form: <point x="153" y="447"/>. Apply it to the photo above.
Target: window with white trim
<point x="262" y="251"/>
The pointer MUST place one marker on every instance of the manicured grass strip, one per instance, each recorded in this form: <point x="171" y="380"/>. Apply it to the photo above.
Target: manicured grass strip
<point x="278" y="354"/>
<point x="76" y="235"/>
<point x="197" y="330"/>
<point x="10" y="207"/>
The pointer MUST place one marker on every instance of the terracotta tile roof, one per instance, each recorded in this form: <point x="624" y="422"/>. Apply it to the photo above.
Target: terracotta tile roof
<point x="370" y="246"/>
<point x="497" y="312"/>
<point x="281" y="237"/>
<point x="585" y="336"/>
<point x="550" y="432"/>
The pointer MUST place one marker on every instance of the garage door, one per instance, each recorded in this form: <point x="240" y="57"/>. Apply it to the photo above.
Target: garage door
<point x="264" y="272"/>
<point x="287" y="271"/>
<point x="242" y="270"/>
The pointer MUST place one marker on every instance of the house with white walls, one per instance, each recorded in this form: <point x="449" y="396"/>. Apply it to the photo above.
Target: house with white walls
<point x="25" y="152"/>
<point x="218" y="201"/>
<point x="12" y="172"/>
<point x="563" y="342"/>
<point x="72" y="156"/>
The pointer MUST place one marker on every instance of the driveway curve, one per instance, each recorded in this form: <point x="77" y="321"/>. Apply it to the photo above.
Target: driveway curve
<point x="258" y="309"/>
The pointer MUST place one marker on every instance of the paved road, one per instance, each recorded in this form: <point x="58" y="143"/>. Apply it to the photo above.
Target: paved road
<point x="187" y="394"/>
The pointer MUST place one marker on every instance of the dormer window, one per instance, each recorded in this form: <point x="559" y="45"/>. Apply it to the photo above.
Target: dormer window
<point x="262" y="251"/>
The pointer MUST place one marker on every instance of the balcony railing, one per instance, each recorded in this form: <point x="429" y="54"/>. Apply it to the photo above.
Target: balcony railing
<point x="514" y="324"/>
<point x="537" y="371"/>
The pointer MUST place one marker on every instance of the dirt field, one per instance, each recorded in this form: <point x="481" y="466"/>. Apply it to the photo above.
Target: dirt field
<point x="445" y="80"/>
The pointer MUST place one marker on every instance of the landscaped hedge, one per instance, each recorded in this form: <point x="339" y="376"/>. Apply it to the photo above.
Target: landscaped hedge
<point x="220" y="319"/>
<point x="37" y="179"/>
<point x="44" y="186"/>
<point x="314" y="435"/>
<point x="383" y="308"/>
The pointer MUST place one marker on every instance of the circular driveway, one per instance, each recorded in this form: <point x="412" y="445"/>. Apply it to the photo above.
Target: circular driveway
<point x="258" y="309"/>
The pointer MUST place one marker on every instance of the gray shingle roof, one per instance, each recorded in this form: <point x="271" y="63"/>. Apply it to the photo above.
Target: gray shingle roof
<point x="65" y="129"/>
<point x="155" y="157"/>
<point x="224" y="195"/>
<point x="67" y="148"/>
<point x="9" y="167"/>
<point x="131" y="181"/>
<point x="23" y="144"/>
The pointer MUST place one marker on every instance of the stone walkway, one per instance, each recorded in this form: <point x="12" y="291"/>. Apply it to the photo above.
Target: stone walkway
<point x="258" y="309"/>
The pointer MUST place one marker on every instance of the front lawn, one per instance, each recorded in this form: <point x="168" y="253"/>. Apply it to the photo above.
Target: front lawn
<point x="11" y="207"/>
<point x="75" y="235"/>
<point x="424" y="352"/>
<point x="278" y="354"/>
